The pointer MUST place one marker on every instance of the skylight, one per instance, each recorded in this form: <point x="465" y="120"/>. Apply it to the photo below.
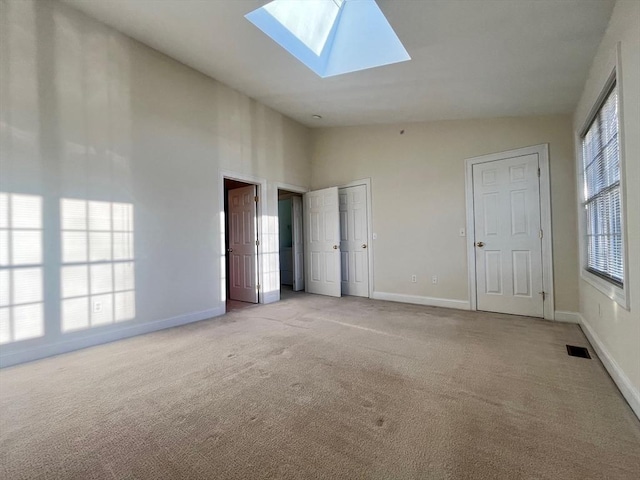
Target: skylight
<point x="310" y="21"/>
<point x="331" y="37"/>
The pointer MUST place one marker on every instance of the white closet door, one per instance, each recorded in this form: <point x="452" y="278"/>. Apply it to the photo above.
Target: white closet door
<point x="506" y="197"/>
<point x="322" y="242"/>
<point x="353" y="241"/>
<point x="243" y="252"/>
<point x="297" y="243"/>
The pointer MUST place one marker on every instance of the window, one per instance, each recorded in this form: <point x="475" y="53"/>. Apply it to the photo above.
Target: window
<point x="601" y="193"/>
<point x="21" y="299"/>
<point x="98" y="284"/>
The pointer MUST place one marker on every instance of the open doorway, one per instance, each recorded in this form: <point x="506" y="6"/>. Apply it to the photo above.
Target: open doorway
<point x="241" y="244"/>
<point x="291" y="244"/>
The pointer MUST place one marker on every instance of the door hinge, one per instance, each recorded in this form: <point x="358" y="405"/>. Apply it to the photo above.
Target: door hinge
<point x="257" y="243"/>
<point x="538" y="174"/>
<point x="541" y="233"/>
<point x="256" y="198"/>
<point x="544" y="295"/>
<point x="258" y="286"/>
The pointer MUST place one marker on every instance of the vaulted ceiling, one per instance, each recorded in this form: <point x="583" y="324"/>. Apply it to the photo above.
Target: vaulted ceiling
<point x="470" y="58"/>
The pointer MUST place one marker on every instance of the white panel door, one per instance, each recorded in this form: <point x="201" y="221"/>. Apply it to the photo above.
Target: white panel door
<point x="297" y="243"/>
<point x="322" y="242"/>
<point x="243" y="251"/>
<point x="353" y="241"/>
<point x="508" y="245"/>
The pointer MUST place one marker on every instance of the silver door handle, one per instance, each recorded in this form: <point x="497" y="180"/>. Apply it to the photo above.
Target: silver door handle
<point x="480" y="244"/>
<point x="364" y="245"/>
<point x="335" y="247"/>
<point x="229" y="250"/>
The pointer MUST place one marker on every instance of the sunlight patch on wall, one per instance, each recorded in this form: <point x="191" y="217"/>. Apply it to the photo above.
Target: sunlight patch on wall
<point x="271" y="254"/>
<point x="21" y="297"/>
<point x="223" y="258"/>
<point x="97" y="276"/>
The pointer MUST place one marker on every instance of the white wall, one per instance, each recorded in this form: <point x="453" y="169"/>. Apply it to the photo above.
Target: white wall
<point x="89" y="113"/>
<point x="615" y="329"/>
<point x="418" y="194"/>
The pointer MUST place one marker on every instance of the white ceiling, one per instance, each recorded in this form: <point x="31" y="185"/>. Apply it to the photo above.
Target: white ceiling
<point x="470" y="58"/>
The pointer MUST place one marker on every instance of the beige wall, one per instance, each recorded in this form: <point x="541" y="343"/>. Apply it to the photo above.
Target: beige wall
<point x="617" y="329"/>
<point x="88" y="113"/>
<point x="418" y="193"/>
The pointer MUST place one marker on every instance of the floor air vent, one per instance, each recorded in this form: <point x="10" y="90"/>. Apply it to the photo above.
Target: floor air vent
<point x="581" y="352"/>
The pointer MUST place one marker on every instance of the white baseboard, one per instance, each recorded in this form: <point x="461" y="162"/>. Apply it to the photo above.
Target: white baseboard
<point x="70" y="345"/>
<point x="617" y="374"/>
<point x="419" y="300"/>
<point x="567" y="317"/>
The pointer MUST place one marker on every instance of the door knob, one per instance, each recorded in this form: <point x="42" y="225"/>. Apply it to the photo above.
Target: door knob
<point x="229" y="250"/>
<point x="335" y="247"/>
<point x="364" y="245"/>
<point x="480" y="244"/>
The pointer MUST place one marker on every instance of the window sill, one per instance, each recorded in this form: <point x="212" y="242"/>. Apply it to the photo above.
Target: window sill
<point x="615" y="293"/>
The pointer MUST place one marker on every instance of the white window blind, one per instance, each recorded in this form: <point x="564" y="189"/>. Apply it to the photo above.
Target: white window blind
<point x="601" y="176"/>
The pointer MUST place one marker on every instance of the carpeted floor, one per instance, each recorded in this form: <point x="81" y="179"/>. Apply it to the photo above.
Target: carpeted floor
<point x="316" y="387"/>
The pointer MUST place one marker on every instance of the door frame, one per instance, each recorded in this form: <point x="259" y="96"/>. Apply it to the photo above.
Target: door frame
<point x="542" y="151"/>
<point x="289" y="188"/>
<point x="261" y="187"/>
<point x="367" y="183"/>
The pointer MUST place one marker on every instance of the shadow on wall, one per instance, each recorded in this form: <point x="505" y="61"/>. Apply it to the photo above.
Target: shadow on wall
<point x="66" y="211"/>
<point x="78" y="103"/>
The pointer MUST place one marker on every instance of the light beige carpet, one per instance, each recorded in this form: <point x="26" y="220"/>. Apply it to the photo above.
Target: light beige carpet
<point x="316" y="387"/>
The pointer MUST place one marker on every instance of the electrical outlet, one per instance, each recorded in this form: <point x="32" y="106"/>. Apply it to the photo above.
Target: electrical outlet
<point x="97" y="307"/>
<point x="414" y="279"/>
<point x="375" y="236"/>
<point x="434" y="279"/>
<point x="462" y="232"/>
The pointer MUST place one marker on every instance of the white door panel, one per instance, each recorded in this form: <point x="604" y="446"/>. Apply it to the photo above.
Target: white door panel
<point x="298" y="243"/>
<point x="354" y="237"/>
<point x="506" y="196"/>
<point x="243" y="258"/>
<point x="321" y="242"/>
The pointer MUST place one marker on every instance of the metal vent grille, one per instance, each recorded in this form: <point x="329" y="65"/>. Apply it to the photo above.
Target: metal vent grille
<point x="581" y="352"/>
